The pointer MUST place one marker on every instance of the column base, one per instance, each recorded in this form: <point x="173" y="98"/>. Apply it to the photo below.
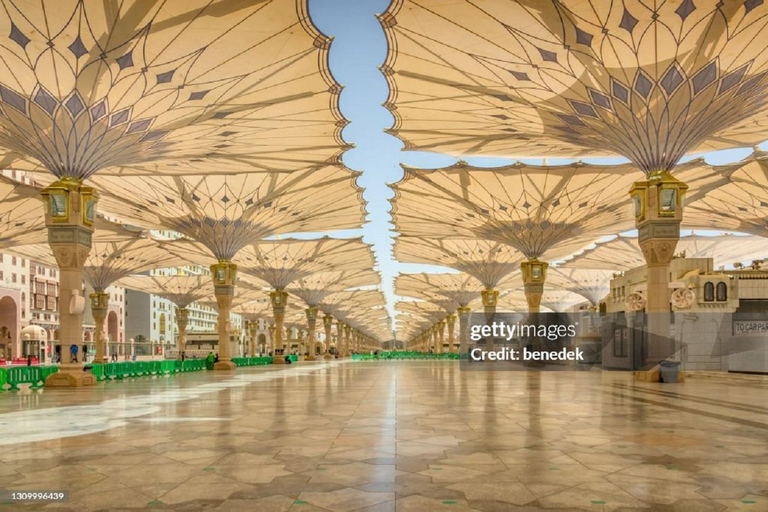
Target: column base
<point x="224" y="366"/>
<point x="278" y="360"/>
<point x="652" y="375"/>
<point x="327" y="357"/>
<point x="310" y="358"/>
<point x="70" y="377"/>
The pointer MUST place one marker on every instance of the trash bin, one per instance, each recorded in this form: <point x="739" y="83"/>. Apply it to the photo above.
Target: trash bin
<point x="669" y="371"/>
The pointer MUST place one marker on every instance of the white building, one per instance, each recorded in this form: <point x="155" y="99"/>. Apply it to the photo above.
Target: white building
<point x="718" y="317"/>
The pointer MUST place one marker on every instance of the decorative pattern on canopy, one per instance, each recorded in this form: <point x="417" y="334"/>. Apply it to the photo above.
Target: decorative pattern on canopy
<point x="314" y="288"/>
<point x="741" y="205"/>
<point x="594" y="284"/>
<point x="243" y="295"/>
<point x="226" y="213"/>
<point x="116" y="252"/>
<point x="363" y="309"/>
<point x="542" y="78"/>
<point x="545" y="212"/>
<point x="145" y="87"/>
<point x="538" y="211"/>
<point x="513" y="301"/>
<point x="182" y="290"/>
<point x="560" y="300"/>
<point x="283" y="262"/>
<point x="459" y="288"/>
<point x="422" y="310"/>
<point x="623" y="252"/>
<point x="254" y="310"/>
<point x="21" y="215"/>
<point x="488" y="262"/>
<point x="341" y="303"/>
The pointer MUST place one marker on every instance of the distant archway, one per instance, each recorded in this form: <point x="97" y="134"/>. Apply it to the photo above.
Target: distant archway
<point x="112" y="328"/>
<point x="9" y="326"/>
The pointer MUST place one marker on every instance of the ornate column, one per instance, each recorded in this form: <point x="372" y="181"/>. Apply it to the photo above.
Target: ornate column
<point x="490" y="299"/>
<point x="658" y="203"/>
<point x="432" y="339"/>
<point x="224" y="274"/>
<point x="302" y="337"/>
<point x="182" y="320"/>
<point x="463" y="329"/>
<point x="440" y="336"/>
<point x="272" y="339"/>
<point x="339" y="338"/>
<point x="534" y="276"/>
<point x="347" y="333"/>
<point x="311" y="322"/>
<point x="327" y="325"/>
<point x="99" y="305"/>
<point x="279" y="300"/>
<point x="450" y="321"/>
<point x="252" y="326"/>
<point x="70" y="210"/>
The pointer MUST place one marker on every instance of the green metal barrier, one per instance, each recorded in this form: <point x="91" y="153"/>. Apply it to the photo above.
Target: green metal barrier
<point x="252" y="361"/>
<point x="404" y="355"/>
<point x="3" y="378"/>
<point x="119" y="371"/>
<point x="33" y="375"/>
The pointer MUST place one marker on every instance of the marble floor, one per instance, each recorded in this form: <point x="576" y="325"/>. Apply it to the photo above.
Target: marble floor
<point x="386" y="436"/>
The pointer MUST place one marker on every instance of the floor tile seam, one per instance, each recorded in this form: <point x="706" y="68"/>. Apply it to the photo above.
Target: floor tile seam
<point x="679" y="396"/>
<point x="709" y="409"/>
<point x="718" y="416"/>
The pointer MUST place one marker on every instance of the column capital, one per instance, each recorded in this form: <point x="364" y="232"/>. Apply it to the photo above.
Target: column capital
<point x="534" y="271"/>
<point x="99" y="304"/>
<point x="278" y="299"/>
<point x="490" y="297"/>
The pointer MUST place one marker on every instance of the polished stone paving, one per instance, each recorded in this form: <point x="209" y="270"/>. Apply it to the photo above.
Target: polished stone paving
<point x="386" y="436"/>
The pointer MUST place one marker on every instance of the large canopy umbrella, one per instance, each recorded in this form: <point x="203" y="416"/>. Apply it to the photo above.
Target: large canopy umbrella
<point x="351" y="305"/>
<point x="315" y="288"/>
<point x="459" y="288"/>
<point x="21" y="214"/>
<point x="279" y="263"/>
<point x="164" y="87"/>
<point x="542" y="212"/>
<point x="225" y="213"/>
<point x="624" y="253"/>
<point x="591" y="283"/>
<point x="431" y="318"/>
<point x="182" y="290"/>
<point x="574" y="78"/>
<point x="252" y="312"/>
<point x="156" y="88"/>
<point x="116" y="252"/>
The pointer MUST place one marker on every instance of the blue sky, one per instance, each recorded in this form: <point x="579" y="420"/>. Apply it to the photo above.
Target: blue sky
<point x="359" y="48"/>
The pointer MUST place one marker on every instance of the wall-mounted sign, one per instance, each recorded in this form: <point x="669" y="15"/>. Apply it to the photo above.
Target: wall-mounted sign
<point x="750" y="328"/>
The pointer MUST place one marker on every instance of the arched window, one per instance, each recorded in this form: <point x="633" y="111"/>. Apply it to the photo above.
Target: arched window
<point x="722" y="292"/>
<point x="709" y="292"/>
<point x="162" y="323"/>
